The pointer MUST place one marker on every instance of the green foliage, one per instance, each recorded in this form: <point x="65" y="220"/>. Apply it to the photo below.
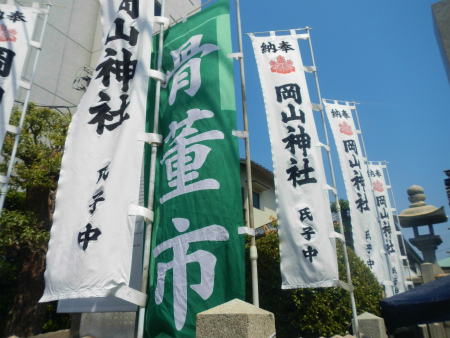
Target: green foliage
<point x="311" y="312"/>
<point x="23" y="232"/>
<point x="40" y="149"/>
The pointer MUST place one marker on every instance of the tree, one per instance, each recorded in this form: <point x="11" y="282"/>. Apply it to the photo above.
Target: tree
<point x="311" y="312"/>
<point x="28" y="215"/>
<point x="346" y="221"/>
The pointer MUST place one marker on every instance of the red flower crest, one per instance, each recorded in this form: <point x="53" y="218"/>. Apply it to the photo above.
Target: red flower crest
<point x="7" y="34"/>
<point x="282" y="66"/>
<point x="345" y="128"/>
<point x="378" y="186"/>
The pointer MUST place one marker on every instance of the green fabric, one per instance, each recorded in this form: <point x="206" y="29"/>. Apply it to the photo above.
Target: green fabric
<point x="207" y="207"/>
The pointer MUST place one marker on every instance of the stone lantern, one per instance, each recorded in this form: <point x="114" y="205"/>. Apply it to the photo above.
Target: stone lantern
<point x="421" y="214"/>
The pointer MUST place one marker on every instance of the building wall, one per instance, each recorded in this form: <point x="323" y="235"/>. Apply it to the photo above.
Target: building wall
<point x="262" y="184"/>
<point x="441" y="13"/>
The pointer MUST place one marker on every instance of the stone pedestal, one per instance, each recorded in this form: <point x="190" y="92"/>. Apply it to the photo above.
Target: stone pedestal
<point x="235" y="319"/>
<point x="428" y="272"/>
<point x="437" y="330"/>
<point x="371" y="325"/>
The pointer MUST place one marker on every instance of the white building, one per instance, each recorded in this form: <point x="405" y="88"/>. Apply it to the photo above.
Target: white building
<point x="71" y="48"/>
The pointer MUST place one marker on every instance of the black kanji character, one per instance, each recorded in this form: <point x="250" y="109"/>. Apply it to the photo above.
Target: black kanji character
<point x="123" y="70"/>
<point x="131" y="7"/>
<point x="396" y="290"/>
<point x="384" y="214"/>
<point x="381" y="200"/>
<point x="310" y="253"/>
<point x="387" y="230"/>
<point x="17" y="16"/>
<point x="302" y="140"/>
<point x="87" y="236"/>
<point x="305" y="213"/>
<point x="354" y="164"/>
<point x="293" y="116"/>
<point x="335" y="113"/>
<point x="369" y="248"/>
<point x="350" y="145"/>
<point x="345" y="114"/>
<point x="308" y="233"/>
<point x="285" y="46"/>
<point x="103" y="173"/>
<point x="358" y="180"/>
<point x="119" y="33"/>
<point x="6" y="59"/>
<point x="368" y="234"/>
<point x="295" y="173"/>
<point x="269" y="48"/>
<point x="390" y="248"/>
<point x="289" y="91"/>
<point x="394" y="270"/>
<point x="371" y="173"/>
<point x="370" y="263"/>
<point x="97" y="199"/>
<point x="362" y="204"/>
<point x="377" y="172"/>
<point x="103" y="113"/>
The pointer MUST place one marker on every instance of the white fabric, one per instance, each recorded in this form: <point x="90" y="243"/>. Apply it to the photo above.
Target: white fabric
<point x="308" y="254"/>
<point x="108" y="10"/>
<point x="15" y="38"/>
<point x="367" y="237"/>
<point x="100" y="177"/>
<point x="388" y="229"/>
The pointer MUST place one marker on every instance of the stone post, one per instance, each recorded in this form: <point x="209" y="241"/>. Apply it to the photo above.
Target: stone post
<point x="235" y="319"/>
<point x="371" y="325"/>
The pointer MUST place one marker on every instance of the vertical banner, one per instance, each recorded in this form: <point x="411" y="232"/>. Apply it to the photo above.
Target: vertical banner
<point x="388" y="228"/>
<point x="197" y="257"/>
<point x="91" y="240"/>
<point x="367" y="236"/>
<point x="16" y="31"/>
<point x="307" y="247"/>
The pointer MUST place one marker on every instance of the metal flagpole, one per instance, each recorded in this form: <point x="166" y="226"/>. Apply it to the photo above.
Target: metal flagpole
<point x="151" y="188"/>
<point x="398" y="220"/>
<point x="338" y="207"/>
<point x="253" y="250"/>
<point x="5" y="179"/>
<point x="388" y="261"/>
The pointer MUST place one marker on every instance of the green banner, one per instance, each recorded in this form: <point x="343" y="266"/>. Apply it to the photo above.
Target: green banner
<point x="197" y="255"/>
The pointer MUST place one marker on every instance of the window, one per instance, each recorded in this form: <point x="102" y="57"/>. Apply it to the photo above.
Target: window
<point x="157" y="9"/>
<point x="256" y="200"/>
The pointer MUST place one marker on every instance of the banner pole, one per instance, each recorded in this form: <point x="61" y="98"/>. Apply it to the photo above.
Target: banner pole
<point x="338" y="207"/>
<point x="253" y="250"/>
<point x="398" y="220"/>
<point x="24" y="111"/>
<point x="151" y="188"/>
<point x="388" y="261"/>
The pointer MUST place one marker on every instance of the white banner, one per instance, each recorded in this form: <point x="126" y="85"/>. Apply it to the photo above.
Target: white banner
<point x="367" y="236"/>
<point x="91" y="239"/>
<point x="388" y="229"/>
<point x="16" y="31"/>
<point x="305" y="226"/>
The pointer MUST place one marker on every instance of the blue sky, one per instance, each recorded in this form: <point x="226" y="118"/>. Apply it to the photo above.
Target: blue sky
<point x="383" y="55"/>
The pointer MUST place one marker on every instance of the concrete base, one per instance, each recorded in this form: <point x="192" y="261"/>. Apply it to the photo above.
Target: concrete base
<point x="437" y="330"/>
<point x="108" y="325"/>
<point x="423" y="331"/>
<point x="371" y="325"/>
<point x="235" y="319"/>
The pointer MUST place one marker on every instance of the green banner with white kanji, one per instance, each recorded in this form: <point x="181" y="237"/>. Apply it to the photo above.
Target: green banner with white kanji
<point x="197" y="255"/>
